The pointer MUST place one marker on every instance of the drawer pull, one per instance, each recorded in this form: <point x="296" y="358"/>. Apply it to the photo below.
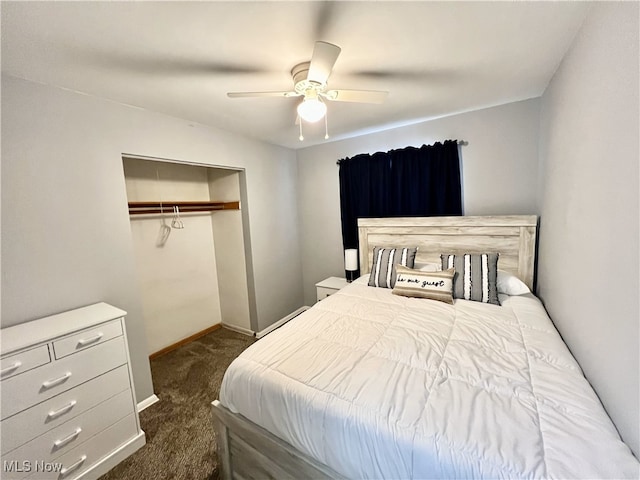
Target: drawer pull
<point x="65" y="471"/>
<point x="11" y="368"/>
<point x="63" y="441"/>
<point x="86" y="341"/>
<point x="56" y="381"/>
<point x="56" y="413"/>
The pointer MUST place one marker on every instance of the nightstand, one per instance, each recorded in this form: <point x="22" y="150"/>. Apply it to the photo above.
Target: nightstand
<point x="329" y="286"/>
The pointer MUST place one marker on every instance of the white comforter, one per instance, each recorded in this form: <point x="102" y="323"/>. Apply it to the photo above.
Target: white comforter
<point x="375" y="385"/>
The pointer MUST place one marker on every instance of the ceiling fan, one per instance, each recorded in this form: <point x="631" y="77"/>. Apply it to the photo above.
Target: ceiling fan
<point x="310" y="81"/>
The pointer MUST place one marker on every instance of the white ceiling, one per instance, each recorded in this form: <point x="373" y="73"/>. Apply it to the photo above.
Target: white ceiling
<point x="180" y="58"/>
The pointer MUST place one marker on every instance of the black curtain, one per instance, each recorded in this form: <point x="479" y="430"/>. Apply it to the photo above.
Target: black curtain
<point x="408" y="182"/>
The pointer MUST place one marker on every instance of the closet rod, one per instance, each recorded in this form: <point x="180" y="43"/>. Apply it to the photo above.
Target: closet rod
<point x="146" y="208"/>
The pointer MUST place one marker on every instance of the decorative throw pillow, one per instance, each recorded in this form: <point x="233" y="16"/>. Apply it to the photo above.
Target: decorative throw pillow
<point x="383" y="270"/>
<point x="476" y="276"/>
<point x="421" y="284"/>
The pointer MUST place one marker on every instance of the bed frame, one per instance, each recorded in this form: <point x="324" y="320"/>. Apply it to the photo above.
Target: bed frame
<point x="247" y="451"/>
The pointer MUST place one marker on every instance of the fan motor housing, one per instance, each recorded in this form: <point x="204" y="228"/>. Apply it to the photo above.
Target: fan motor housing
<point x="299" y="74"/>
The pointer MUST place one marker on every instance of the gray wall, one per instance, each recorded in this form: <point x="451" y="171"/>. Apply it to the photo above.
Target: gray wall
<point x="66" y="237"/>
<point x="499" y="169"/>
<point x="588" y="252"/>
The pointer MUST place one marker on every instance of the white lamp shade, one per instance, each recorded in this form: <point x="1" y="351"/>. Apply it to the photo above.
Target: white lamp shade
<point x="351" y="259"/>
<point x="311" y="110"/>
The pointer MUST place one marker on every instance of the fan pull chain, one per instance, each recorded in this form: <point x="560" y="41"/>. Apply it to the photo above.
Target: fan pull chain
<point x="326" y="129"/>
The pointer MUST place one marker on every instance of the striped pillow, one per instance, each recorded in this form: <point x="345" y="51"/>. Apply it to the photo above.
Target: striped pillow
<point x="431" y="285"/>
<point x="476" y="276"/>
<point x="383" y="271"/>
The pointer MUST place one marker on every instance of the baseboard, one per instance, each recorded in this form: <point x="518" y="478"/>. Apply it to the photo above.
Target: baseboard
<point x="184" y="341"/>
<point x="281" y="322"/>
<point x="147" y="402"/>
<point x="246" y="331"/>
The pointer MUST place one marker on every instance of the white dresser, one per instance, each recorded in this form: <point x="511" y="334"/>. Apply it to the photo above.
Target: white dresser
<point x="68" y="408"/>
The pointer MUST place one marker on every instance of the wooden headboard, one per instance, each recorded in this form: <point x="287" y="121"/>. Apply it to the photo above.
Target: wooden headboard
<point x="513" y="236"/>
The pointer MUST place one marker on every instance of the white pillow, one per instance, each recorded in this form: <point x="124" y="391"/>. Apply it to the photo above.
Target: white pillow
<point x="510" y="284"/>
<point x="427" y="267"/>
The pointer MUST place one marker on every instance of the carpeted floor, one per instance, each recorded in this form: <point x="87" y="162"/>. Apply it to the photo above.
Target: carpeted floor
<point x="180" y="436"/>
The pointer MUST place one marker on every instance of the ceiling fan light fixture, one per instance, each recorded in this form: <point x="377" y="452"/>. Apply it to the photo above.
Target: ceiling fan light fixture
<point x="312" y="109"/>
<point x="310" y="82"/>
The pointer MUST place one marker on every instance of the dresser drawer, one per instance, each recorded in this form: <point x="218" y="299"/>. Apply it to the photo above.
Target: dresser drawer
<point x="22" y="391"/>
<point x="82" y="457"/>
<point x="87" y="338"/>
<point x="28" y="424"/>
<point x="26" y="360"/>
<point x="71" y="434"/>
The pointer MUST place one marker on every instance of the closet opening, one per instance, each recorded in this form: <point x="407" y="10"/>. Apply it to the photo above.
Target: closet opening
<point x="190" y="233"/>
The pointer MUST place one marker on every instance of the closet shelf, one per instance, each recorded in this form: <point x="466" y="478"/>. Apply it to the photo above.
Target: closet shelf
<point x="149" y="208"/>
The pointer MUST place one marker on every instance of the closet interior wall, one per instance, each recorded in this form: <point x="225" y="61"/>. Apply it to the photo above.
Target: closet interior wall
<point x="190" y="278"/>
<point x="228" y="235"/>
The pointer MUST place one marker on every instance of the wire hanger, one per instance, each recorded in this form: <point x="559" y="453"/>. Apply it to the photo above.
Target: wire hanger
<point x="177" y="221"/>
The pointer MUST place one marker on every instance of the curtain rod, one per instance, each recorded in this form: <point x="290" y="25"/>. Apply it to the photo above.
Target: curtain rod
<point x="462" y="143"/>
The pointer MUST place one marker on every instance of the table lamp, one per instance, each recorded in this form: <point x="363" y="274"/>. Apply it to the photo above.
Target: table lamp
<point x="351" y="263"/>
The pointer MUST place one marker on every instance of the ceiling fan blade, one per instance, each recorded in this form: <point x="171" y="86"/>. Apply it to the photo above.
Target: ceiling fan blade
<point x="359" y="96"/>
<point x="326" y="16"/>
<point x="262" y="94"/>
<point x="148" y="63"/>
<point x="322" y="61"/>
<point x="426" y="75"/>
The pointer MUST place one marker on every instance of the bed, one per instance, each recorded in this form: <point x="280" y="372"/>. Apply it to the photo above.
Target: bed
<point x="371" y="384"/>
